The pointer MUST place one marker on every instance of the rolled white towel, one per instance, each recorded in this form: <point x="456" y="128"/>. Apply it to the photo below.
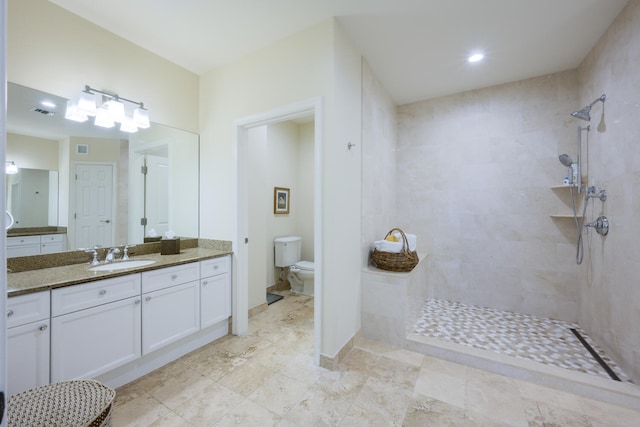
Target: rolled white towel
<point x="387" y="246"/>
<point x="412" y="240"/>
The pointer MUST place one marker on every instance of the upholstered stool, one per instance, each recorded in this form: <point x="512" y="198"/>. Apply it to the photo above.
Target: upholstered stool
<point x="67" y="403"/>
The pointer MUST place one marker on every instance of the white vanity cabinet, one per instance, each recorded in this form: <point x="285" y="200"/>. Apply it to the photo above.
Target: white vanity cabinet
<point x="23" y="246"/>
<point x="51" y="243"/>
<point x="215" y="290"/>
<point x="27" y="341"/>
<point x="36" y="245"/>
<point x="170" y="305"/>
<point x="95" y="327"/>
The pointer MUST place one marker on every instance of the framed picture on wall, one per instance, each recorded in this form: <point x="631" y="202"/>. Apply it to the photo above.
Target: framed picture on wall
<point x="280" y="200"/>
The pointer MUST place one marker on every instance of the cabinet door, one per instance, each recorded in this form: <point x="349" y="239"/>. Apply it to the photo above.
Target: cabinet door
<point x="215" y="299"/>
<point x="27" y="356"/>
<point x="89" y="342"/>
<point x="51" y="243"/>
<point x="169" y="314"/>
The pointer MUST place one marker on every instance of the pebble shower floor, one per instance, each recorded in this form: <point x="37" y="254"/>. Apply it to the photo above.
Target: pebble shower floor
<point x="523" y="336"/>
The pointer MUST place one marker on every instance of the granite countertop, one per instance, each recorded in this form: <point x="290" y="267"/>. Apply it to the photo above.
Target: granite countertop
<point x="56" y="277"/>
<point x="35" y="231"/>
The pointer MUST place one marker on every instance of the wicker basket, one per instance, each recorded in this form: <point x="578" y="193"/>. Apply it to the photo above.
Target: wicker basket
<point x="79" y="403"/>
<point x="404" y="260"/>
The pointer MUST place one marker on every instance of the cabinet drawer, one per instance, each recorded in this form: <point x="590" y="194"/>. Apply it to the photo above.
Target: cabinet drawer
<point x="52" y="238"/>
<point x="78" y="297"/>
<point x="215" y="266"/>
<point x="170" y="276"/>
<point x="27" y="308"/>
<point x="23" y="241"/>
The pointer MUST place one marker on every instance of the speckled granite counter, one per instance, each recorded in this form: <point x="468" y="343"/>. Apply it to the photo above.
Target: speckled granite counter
<point x="56" y="277"/>
<point x="35" y="231"/>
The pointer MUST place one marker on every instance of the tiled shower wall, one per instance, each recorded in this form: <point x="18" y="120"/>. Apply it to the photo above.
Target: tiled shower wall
<point x="474" y="177"/>
<point x="379" y="135"/>
<point x="473" y="173"/>
<point x="609" y="282"/>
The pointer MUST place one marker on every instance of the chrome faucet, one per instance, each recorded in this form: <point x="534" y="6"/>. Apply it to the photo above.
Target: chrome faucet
<point x="125" y="255"/>
<point x="111" y="254"/>
<point x="93" y="252"/>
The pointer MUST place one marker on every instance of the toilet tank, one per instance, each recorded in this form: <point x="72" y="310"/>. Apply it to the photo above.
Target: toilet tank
<point x="288" y="249"/>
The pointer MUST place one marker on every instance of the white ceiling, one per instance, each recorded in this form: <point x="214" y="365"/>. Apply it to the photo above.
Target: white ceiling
<point x="417" y="48"/>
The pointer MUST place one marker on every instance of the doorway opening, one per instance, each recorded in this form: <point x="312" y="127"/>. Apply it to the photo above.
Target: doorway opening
<point x="312" y="109"/>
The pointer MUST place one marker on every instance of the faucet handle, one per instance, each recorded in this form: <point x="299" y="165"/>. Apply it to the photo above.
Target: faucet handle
<point x="125" y="256"/>
<point x="93" y="252"/>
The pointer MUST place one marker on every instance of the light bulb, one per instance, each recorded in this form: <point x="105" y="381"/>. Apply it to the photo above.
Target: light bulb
<point x="141" y="118"/>
<point x="116" y="110"/>
<point x="103" y="118"/>
<point x="72" y="113"/>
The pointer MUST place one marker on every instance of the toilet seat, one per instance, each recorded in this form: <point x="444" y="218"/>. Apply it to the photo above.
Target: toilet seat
<point x="305" y="265"/>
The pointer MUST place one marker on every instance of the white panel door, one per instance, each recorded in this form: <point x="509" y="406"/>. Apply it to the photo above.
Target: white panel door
<point x="94" y="205"/>
<point x="156" y="194"/>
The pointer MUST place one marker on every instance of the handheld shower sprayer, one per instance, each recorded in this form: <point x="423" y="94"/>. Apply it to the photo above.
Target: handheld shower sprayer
<point x="565" y="159"/>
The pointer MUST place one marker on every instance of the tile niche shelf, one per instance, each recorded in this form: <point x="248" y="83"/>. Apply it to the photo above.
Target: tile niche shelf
<point x="563" y="189"/>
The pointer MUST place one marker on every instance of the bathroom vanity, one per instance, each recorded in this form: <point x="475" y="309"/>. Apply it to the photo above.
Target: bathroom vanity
<point x="72" y="322"/>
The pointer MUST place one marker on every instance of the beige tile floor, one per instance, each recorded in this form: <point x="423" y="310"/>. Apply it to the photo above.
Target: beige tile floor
<point x="267" y="378"/>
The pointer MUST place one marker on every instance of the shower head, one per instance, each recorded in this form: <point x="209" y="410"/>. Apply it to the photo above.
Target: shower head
<point x="565" y="159"/>
<point x="583" y="114"/>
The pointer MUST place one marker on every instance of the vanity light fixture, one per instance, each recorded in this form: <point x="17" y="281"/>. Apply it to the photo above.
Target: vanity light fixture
<point x="10" y="168"/>
<point x="108" y="109"/>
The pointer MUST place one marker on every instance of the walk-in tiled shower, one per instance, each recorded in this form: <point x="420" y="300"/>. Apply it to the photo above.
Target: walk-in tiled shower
<point x="542" y="340"/>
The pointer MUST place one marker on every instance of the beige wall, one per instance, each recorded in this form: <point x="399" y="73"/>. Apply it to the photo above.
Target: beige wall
<point x="609" y="286"/>
<point x="474" y="172"/>
<point x="304" y="196"/>
<point x="52" y="50"/>
<point x="318" y="62"/>
<point x="32" y="152"/>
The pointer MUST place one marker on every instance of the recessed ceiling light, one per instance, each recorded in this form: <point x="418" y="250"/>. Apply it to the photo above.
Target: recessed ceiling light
<point x="48" y="104"/>
<point x="476" y="57"/>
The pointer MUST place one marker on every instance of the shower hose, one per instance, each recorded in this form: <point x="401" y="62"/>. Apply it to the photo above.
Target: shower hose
<point x="579" y="223"/>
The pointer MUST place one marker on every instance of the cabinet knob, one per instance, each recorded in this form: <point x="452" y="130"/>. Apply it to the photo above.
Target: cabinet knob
<point x="174" y="276"/>
<point x="9" y="313"/>
<point x="43" y="327"/>
<point x="102" y="292"/>
<point x="137" y="301"/>
<point x="215" y="267"/>
<point x="205" y="283"/>
<point x="148" y="298"/>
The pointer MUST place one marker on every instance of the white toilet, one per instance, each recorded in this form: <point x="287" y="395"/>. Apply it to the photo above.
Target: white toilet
<point x="301" y="273"/>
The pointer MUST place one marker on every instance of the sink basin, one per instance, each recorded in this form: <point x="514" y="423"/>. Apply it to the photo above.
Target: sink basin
<point x="122" y="265"/>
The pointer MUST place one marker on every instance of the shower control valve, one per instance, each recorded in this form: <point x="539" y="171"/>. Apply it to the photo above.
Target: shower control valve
<point x="591" y="194"/>
<point x="601" y="224"/>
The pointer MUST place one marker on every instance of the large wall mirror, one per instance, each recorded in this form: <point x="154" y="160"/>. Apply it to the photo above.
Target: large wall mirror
<point x="103" y="187"/>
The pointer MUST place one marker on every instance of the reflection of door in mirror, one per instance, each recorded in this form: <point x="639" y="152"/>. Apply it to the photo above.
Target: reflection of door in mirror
<point x="156" y="196"/>
<point x="94" y="205"/>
